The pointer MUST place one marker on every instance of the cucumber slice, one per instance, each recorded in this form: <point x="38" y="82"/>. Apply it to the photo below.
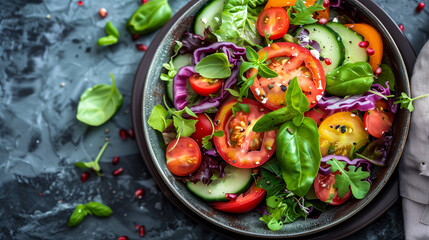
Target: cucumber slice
<point x="178" y="62"/>
<point x="236" y="180"/>
<point x="209" y="16"/>
<point x="351" y="40"/>
<point x="330" y="44"/>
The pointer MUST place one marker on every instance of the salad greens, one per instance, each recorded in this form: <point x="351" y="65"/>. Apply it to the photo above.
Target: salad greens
<point x="213" y="66"/>
<point x="206" y="140"/>
<point x="170" y="65"/>
<point x="91" y="208"/>
<point x="99" y="103"/>
<point x="302" y="14"/>
<point x="386" y="76"/>
<point x="158" y="118"/>
<point x="407" y="102"/>
<point x="350" y="79"/>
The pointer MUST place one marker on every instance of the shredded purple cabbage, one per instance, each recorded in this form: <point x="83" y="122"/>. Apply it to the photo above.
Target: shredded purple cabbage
<point x="362" y="102"/>
<point x="193" y="41"/>
<point x="305" y="40"/>
<point x="234" y="54"/>
<point x="209" y="165"/>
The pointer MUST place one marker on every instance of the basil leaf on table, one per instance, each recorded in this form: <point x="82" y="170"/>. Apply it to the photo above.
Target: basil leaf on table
<point x="213" y="66"/>
<point x="78" y="215"/>
<point x="304" y="15"/>
<point x="99" y="209"/>
<point x="350" y="79"/>
<point x="386" y="76"/>
<point x="352" y="178"/>
<point x="99" y="103"/>
<point x="149" y="17"/>
<point x="299" y="154"/>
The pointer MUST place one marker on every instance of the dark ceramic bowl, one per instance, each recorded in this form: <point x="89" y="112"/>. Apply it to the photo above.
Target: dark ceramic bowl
<point x="148" y="91"/>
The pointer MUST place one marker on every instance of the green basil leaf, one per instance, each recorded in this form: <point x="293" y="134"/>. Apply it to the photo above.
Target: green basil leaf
<point x="304" y="15"/>
<point x="99" y="103"/>
<point x="99" y="209"/>
<point x="149" y="17"/>
<point x="299" y="155"/>
<point x="295" y="98"/>
<point x="266" y="72"/>
<point x="352" y="178"/>
<point x="271" y="120"/>
<point x="251" y="55"/>
<point x="111" y="30"/>
<point x="297" y="120"/>
<point x="350" y="79"/>
<point x="386" y="76"/>
<point x="78" y="215"/>
<point x="157" y="119"/>
<point x="214" y="66"/>
<point x="244" y="67"/>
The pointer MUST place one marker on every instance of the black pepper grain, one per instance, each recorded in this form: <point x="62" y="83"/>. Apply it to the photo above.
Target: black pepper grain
<point x="283" y="88"/>
<point x="343" y="129"/>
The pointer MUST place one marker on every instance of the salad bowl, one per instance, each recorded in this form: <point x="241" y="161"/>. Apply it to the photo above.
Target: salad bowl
<point x="148" y="91"/>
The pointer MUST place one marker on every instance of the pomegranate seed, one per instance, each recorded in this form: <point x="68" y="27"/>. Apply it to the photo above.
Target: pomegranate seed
<point x="123" y="238"/>
<point x="115" y="160"/>
<point x="80" y="3"/>
<point x="141" y="231"/>
<point x="401" y="26"/>
<point x="323" y="21"/>
<point x="123" y="134"/>
<point x="102" y="12"/>
<point x="326" y="3"/>
<point x="84" y="177"/>
<point x="328" y="61"/>
<point x="378" y="71"/>
<point x="420" y="6"/>
<point x="131" y="133"/>
<point x="137" y="226"/>
<point x="231" y="196"/>
<point x="118" y="172"/>
<point x="139" y="193"/>
<point x="144" y="1"/>
<point x="135" y="37"/>
<point x="364" y="44"/>
<point x="370" y="51"/>
<point x="141" y="47"/>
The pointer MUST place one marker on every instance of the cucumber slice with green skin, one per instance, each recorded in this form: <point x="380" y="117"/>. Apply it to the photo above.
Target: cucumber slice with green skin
<point x="209" y="16"/>
<point x="236" y="180"/>
<point x="178" y="62"/>
<point x="351" y="40"/>
<point x="330" y="44"/>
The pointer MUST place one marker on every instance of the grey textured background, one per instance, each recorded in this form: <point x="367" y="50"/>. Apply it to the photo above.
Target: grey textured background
<point x="46" y="63"/>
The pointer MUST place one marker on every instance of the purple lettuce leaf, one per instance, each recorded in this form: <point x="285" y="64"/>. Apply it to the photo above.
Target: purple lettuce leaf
<point x="376" y="151"/>
<point x="209" y="166"/>
<point x="303" y="37"/>
<point x="193" y="41"/>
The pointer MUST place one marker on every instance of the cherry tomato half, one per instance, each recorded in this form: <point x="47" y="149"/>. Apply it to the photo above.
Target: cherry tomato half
<point x="325" y="191"/>
<point x="240" y="146"/>
<point x="244" y="203"/>
<point x="203" y="128"/>
<point x="205" y="86"/>
<point x="379" y="120"/>
<point x="184" y="158"/>
<point x="339" y="132"/>
<point x="274" y="21"/>
<point x="289" y="60"/>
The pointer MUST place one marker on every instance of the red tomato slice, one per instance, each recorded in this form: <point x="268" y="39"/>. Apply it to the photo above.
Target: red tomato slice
<point x="274" y="21"/>
<point x="205" y="86"/>
<point x="240" y="146"/>
<point x="317" y="114"/>
<point x="379" y="120"/>
<point x="244" y="203"/>
<point x="184" y="158"/>
<point x="289" y="60"/>
<point x="203" y="128"/>
<point x="323" y="186"/>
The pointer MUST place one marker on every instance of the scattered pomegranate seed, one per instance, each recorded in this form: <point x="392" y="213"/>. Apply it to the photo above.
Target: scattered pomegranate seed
<point x="323" y="21"/>
<point x="144" y="1"/>
<point x="420" y="6"/>
<point x="401" y="26"/>
<point x="141" y="47"/>
<point x="118" y="172"/>
<point x="115" y="160"/>
<point x="135" y="37"/>
<point x="326" y="3"/>
<point x="84" y="177"/>
<point x="378" y="71"/>
<point x="370" y="51"/>
<point x="131" y="133"/>
<point x="328" y="61"/>
<point x="123" y="134"/>
<point x="137" y="226"/>
<point x="141" y="231"/>
<point x="102" y="12"/>
<point x="231" y="196"/>
<point x="364" y="44"/>
<point x="80" y="3"/>
<point x="139" y="193"/>
<point x="40" y="194"/>
<point x="123" y="238"/>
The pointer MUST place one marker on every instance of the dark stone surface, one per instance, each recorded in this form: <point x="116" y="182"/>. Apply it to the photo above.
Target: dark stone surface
<point x="48" y="58"/>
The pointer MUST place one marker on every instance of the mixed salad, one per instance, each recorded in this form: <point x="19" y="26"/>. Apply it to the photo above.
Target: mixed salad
<point x="283" y="104"/>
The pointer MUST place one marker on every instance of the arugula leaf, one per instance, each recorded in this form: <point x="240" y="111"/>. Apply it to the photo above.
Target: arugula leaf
<point x="407" y="102"/>
<point x="99" y="103"/>
<point x="353" y="179"/>
<point x="158" y="118"/>
<point x="214" y="66"/>
<point x="302" y="14"/>
<point x="94" y="164"/>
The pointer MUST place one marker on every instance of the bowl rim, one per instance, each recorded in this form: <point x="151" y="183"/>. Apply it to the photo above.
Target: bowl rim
<point x="137" y="113"/>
